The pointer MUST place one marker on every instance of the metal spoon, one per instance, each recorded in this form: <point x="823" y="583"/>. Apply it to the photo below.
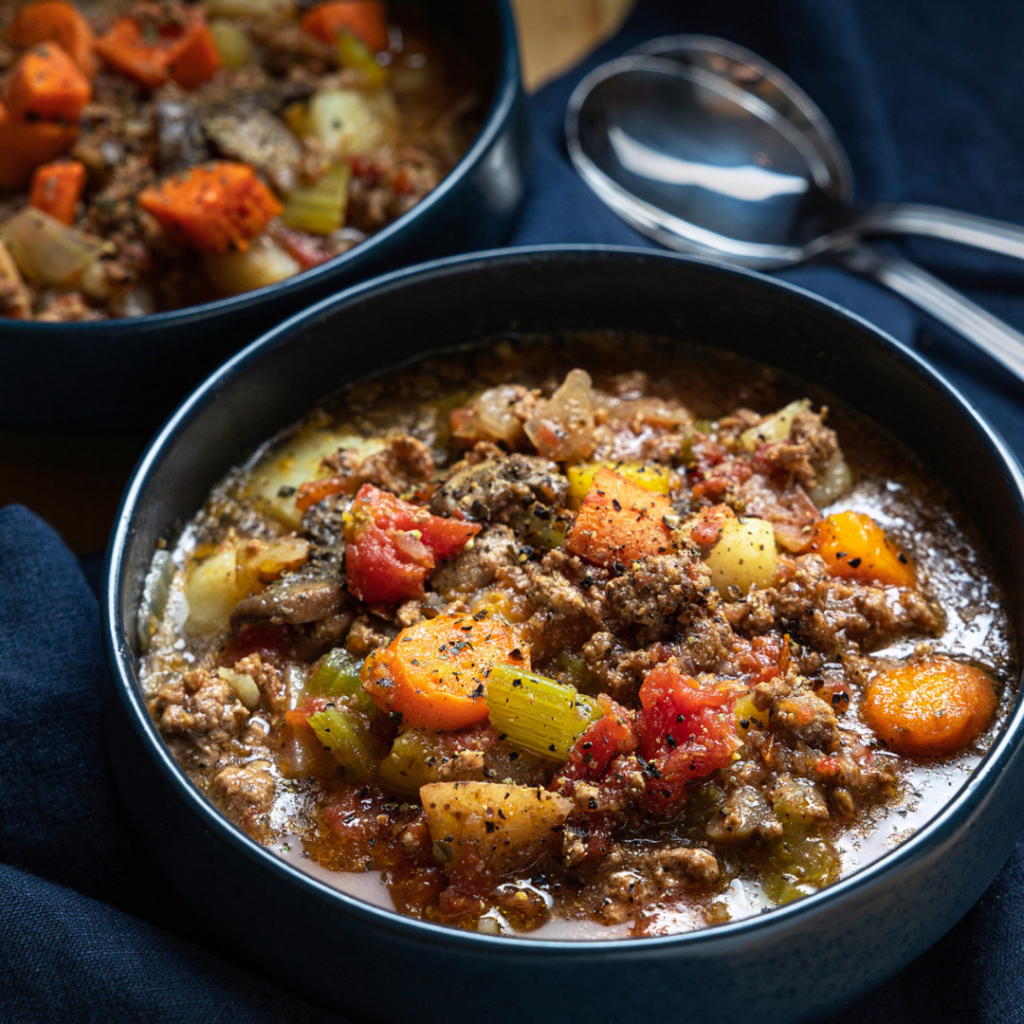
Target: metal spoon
<point x="703" y="165"/>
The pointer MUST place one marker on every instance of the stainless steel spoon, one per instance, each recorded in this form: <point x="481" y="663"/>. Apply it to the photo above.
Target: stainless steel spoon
<point x="733" y="161"/>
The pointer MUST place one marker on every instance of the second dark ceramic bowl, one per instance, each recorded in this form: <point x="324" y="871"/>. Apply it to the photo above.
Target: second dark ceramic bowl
<point x="794" y="963"/>
<point x="118" y="374"/>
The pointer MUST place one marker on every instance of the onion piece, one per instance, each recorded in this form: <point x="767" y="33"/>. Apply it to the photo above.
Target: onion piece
<point x="48" y="252"/>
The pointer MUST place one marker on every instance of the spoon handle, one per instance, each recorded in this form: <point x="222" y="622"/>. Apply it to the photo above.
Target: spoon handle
<point x="948" y="225"/>
<point x="981" y="328"/>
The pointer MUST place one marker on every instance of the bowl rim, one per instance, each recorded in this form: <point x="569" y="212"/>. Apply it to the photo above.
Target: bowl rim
<point x="953" y="816"/>
<point x="507" y="87"/>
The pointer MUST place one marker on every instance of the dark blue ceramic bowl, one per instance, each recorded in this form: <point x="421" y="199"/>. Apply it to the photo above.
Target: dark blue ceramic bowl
<point x="117" y="374"/>
<point x="794" y="963"/>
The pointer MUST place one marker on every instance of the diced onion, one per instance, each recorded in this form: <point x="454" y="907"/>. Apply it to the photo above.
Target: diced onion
<point x="263" y="263"/>
<point x="775" y="427"/>
<point x="48" y="252"/>
<point x="244" y="686"/>
<point x="833" y="481"/>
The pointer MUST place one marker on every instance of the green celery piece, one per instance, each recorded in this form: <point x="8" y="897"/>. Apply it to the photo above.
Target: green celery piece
<point x="337" y="676"/>
<point x="319" y="209"/>
<point x="413" y="762"/>
<point x="354" y="54"/>
<point x="537" y="713"/>
<point x="346" y="737"/>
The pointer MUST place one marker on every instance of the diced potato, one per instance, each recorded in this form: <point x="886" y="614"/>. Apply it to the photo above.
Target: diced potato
<point x="744" y="557"/>
<point x="211" y="590"/>
<point x="648" y="475"/>
<point x="258" y="562"/>
<point x="349" y="121"/>
<point x="263" y="263"/>
<point x="508" y="827"/>
<point x="833" y="481"/>
<point x="775" y="427"/>
<point x="279" y="474"/>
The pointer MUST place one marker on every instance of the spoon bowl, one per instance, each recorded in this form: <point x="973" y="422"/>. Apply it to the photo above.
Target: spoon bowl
<point x="708" y="149"/>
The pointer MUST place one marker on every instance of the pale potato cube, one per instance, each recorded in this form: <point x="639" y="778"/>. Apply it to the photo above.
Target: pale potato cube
<point x="350" y="121"/>
<point x="281" y="472"/>
<point x="211" y="591"/>
<point x="745" y="556"/>
<point x="508" y="827"/>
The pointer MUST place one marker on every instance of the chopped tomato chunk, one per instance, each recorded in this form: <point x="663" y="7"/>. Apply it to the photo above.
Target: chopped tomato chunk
<point x="392" y="545"/>
<point x="686" y="731"/>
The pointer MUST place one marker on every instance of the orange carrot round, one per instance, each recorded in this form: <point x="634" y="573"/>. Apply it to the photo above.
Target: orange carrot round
<point x="57" y="189"/>
<point x="931" y="707"/>
<point x="363" y="18"/>
<point x="855" y="547"/>
<point x="53" y="21"/>
<point x="434" y="674"/>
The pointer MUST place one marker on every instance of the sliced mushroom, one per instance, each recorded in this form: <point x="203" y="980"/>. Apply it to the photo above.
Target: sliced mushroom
<point x="290" y="603"/>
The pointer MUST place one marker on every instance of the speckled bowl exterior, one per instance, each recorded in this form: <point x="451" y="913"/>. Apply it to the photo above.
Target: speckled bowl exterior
<point x="130" y="374"/>
<point x="794" y="963"/>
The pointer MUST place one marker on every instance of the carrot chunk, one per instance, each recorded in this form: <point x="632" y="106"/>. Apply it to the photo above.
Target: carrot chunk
<point x="53" y="21"/>
<point x="620" y="521"/>
<point x="24" y="145"/>
<point x="195" y="59"/>
<point x="46" y="83"/>
<point x="218" y="206"/>
<point x="855" y="547"/>
<point x="933" y="707"/>
<point x="57" y="189"/>
<point x="363" y="18"/>
<point x="125" y="50"/>
<point x="435" y="673"/>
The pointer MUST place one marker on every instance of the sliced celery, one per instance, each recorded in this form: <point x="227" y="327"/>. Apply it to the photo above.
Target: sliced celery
<point x="337" y="676"/>
<point x="347" y="738"/>
<point x="354" y="54"/>
<point x="413" y="762"/>
<point x="320" y="208"/>
<point x="232" y="43"/>
<point x="540" y="714"/>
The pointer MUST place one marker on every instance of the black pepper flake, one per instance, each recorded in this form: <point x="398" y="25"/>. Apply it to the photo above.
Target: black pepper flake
<point x="670" y="740"/>
<point x="489" y="826"/>
<point x="616" y="505"/>
<point x="285" y="491"/>
<point x="479" y="690"/>
<point x="853" y="563"/>
<point x="592" y="804"/>
<point x="396" y="717"/>
<point x="513" y="755"/>
<point x="902" y="558"/>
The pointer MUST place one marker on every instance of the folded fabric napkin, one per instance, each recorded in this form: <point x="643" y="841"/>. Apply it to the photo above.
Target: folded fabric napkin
<point x="925" y="95"/>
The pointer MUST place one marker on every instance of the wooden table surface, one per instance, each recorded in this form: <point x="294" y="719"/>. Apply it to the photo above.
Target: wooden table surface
<point x="74" y="481"/>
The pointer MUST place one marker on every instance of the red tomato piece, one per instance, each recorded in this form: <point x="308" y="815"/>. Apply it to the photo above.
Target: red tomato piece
<point x="686" y="731"/>
<point x="614" y="733"/>
<point x="392" y="545"/>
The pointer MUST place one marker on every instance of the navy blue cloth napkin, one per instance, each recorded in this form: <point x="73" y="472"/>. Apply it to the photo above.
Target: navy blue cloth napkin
<point x="926" y="96"/>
